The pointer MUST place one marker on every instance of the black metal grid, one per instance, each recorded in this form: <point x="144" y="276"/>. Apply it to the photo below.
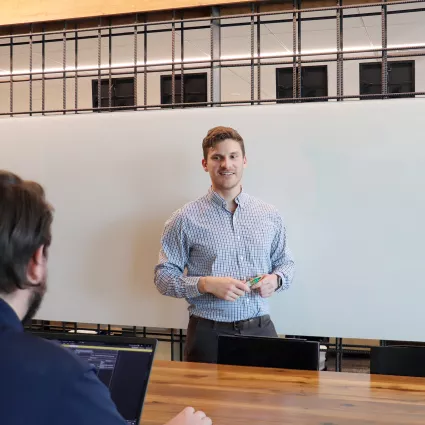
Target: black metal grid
<point x="177" y="337"/>
<point x="141" y="29"/>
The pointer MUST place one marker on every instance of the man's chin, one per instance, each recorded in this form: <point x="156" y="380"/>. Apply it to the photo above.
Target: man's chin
<point x="229" y="185"/>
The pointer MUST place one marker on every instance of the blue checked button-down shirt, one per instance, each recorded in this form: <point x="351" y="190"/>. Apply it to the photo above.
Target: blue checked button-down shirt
<point x="204" y="238"/>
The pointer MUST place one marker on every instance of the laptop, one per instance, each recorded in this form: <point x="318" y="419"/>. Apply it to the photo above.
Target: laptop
<point x="123" y="364"/>
<point x="268" y="352"/>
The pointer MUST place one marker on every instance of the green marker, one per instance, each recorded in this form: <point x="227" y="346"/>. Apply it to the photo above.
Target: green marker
<point x="254" y="281"/>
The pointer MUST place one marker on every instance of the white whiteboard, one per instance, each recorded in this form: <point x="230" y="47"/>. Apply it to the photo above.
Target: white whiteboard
<point x="348" y="178"/>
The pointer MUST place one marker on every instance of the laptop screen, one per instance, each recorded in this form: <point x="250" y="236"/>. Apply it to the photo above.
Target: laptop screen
<point x="123" y="364"/>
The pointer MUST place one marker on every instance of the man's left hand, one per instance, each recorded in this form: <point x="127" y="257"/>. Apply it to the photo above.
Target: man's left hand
<point x="266" y="286"/>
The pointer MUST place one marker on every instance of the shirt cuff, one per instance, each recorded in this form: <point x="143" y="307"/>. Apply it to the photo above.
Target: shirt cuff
<point x="191" y="284"/>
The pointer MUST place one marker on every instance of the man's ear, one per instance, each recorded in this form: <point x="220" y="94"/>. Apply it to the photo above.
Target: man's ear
<point x="36" y="266"/>
<point x="204" y="164"/>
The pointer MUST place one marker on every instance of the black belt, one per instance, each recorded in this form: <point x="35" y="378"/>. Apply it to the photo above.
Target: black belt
<point x="255" y="322"/>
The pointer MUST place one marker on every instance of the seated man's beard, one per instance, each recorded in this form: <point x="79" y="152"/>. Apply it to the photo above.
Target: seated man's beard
<point x="35" y="302"/>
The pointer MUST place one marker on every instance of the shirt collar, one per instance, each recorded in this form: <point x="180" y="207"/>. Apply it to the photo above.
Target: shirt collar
<point x="240" y="200"/>
<point x="8" y="317"/>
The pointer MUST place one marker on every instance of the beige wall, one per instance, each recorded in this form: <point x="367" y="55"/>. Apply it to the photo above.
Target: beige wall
<point x="15" y="12"/>
<point x="25" y="11"/>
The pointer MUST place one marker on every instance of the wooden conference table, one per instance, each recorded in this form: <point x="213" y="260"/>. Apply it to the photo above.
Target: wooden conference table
<point x="233" y="395"/>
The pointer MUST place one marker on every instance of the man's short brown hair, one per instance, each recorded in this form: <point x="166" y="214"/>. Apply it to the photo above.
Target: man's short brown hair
<point x="219" y="134"/>
<point x="25" y="225"/>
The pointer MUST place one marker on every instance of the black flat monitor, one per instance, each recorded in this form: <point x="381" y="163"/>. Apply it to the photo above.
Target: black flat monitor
<point x="268" y="352"/>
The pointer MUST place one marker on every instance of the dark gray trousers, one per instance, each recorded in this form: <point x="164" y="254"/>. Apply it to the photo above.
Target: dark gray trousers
<point x="202" y="335"/>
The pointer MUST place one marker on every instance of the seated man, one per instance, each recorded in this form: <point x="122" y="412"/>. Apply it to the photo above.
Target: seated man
<point x="40" y="382"/>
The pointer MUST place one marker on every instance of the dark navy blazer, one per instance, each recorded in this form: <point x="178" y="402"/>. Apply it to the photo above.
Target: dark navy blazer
<point x="42" y="383"/>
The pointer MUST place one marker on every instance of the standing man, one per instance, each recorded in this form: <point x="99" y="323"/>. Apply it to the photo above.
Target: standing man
<point x="224" y="239"/>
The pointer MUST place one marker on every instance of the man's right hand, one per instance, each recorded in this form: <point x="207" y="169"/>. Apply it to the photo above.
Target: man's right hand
<point x="225" y="288"/>
<point x="188" y="416"/>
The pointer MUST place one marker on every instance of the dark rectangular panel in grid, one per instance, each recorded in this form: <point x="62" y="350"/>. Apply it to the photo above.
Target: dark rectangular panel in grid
<point x="284" y="83"/>
<point x="401" y="78"/>
<point x="122" y="92"/>
<point x="314" y="82"/>
<point x="195" y="88"/>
